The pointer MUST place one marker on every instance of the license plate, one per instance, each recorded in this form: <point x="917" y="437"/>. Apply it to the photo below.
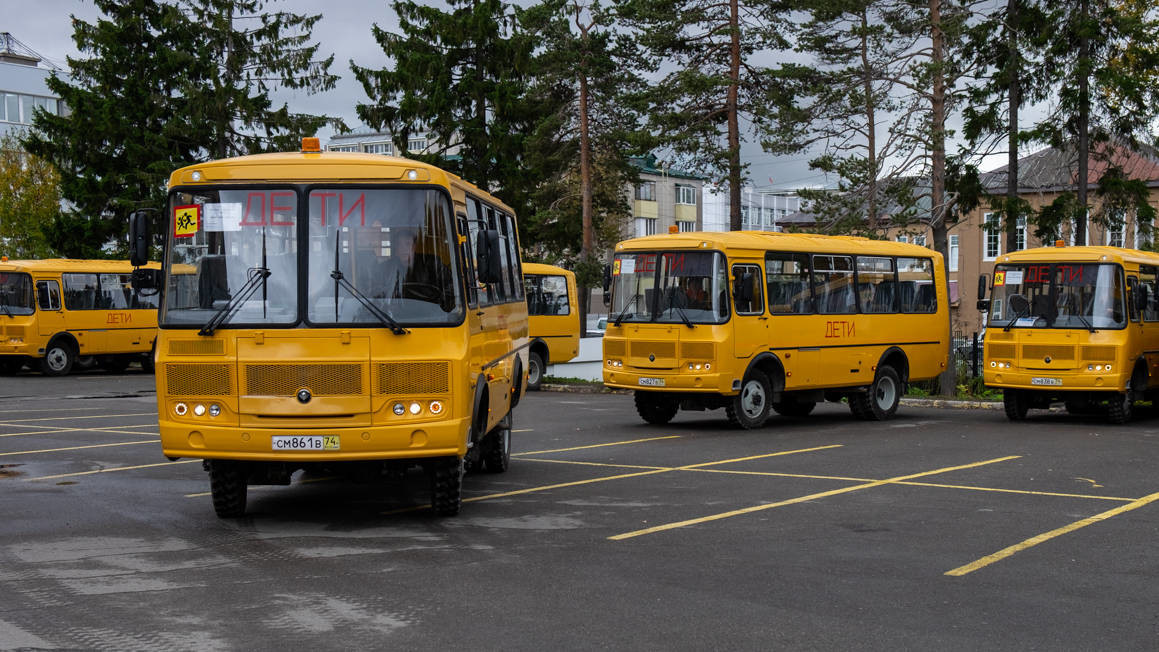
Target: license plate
<point x="305" y="442"/>
<point x="1046" y="381"/>
<point x="652" y="382"/>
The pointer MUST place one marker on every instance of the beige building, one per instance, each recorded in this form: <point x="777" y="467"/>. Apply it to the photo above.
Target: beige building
<point x="665" y="198"/>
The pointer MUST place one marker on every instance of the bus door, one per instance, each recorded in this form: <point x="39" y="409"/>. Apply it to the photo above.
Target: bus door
<point x="833" y="288"/>
<point x="751" y="324"/>
<point x="49" y="310"/>
<point x="1149" y="298"/>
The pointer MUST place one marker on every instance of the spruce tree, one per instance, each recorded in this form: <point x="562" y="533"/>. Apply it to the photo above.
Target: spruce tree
<point x="246" y="53"/>
<point x="127" y="126"/>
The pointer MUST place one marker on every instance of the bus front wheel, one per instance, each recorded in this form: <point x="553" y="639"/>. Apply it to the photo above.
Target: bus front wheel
<point x="58" y="358"/>
<point x="881" y="401"/>
<point x="227" y="484"/>
<point x="657" y="409"/>
<point x="446" y="485"/>
<point x="750" y="408"/>
<point x="1016" y="404"/>
<point x="534" y="371"/>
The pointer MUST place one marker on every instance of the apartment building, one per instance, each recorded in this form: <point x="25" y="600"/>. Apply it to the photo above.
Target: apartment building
<point x="23" y="86"/>
<point x="665" y="197"/>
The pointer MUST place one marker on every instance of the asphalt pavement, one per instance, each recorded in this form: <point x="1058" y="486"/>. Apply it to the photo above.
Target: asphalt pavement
<point x="940" y="529"/>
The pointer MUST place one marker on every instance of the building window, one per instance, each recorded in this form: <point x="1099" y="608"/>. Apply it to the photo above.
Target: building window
<point x="645" y="226"/>
<point x="685" y="227"/>
<point x="953" y="253"/>
<point x="920" y="240"/>
<point x="1142" y="233"/>
<point x="1115" y="228"/>
<point x="343" y="148"/>
<point x="992" y="236"/>
<point x="646" y="191"/>
<point x="903" y="238"/>
<point x="20" y="108"/>
<point x="686" y="195"/>
<point x="379" y="148"/>
<point x="416" y="144"/>
<point x="1020" y="234"/>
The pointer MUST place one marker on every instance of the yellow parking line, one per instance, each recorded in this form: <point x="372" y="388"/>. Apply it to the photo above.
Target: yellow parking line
<point x="1024" y="492"/>
<point x="580" y="448"/>
<point x="52" y="430"/>
<point x="801" y="499"/>
<point x="109" y="470"/>
<point x="77" y="448"/>
<point x="1034" y="541"/>
<point x="91" y="416"/>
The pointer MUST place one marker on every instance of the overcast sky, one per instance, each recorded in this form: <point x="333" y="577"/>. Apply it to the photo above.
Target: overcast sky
<point x="344" y="30"/>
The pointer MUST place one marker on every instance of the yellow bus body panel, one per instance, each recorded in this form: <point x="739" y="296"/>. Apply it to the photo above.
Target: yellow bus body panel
<point x="561" y="333"/>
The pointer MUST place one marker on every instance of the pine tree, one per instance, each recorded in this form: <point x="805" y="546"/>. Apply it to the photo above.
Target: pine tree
<point x="459" y="76"/>
<point x="709" y="84"/>
<point x="247" y="53"/>
<point x="29" y="199"/>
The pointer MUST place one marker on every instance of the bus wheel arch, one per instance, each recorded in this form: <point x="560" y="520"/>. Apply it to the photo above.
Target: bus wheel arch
<point x="59" y="355"/>
<point x="1122" y="406"/>
<point x="896" y="358"/>
<point x="773" y="369"/>
<point x="516" y="383"/>
<point x="537" y="358"/>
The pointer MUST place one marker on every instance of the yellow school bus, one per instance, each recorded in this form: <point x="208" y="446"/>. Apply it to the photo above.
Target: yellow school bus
<point x="552" y="318"/>
<point x="342" y="311"/>
<point x="1073" y="324"/>
<point x="755" y="322"/>
<point x="55" y="314"/>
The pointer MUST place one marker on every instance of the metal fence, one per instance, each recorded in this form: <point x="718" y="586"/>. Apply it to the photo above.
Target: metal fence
<point x="966" y="353"/>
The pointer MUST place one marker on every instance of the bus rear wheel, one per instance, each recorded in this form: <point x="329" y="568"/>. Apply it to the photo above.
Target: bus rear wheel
<point x="534" y="371"/>
<point x="497" y="447"/>
<point x="58" y="358"/>
<point x="446" y="485"/>
<point x="1016" y="404"/>
<point x="750" y="408"/>
<point x="881" y="401"/>
<point x="655" y="408"/>
<point x="227" y="483"/>
<point x="1122" y="406"/>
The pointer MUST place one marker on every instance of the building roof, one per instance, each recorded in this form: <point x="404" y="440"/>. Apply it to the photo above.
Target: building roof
<point x="1056" y="169"/>
<point x="649" y="165"/>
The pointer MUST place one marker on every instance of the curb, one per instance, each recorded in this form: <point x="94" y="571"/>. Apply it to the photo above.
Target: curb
<point x="911" y="402"/>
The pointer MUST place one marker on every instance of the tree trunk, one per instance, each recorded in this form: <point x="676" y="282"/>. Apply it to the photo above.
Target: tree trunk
<point x="1084" y="67"/>
<point x="870" y="125"/>
<point x="734" y="168"/>
<point x="947" y="382"/>
<point x="1014" y="72"/>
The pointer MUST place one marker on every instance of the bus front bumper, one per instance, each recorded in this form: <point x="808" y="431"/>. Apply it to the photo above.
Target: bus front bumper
<point x="415" y="441"/>
<point x="1055" y="381"/>
<point x="666" y="380"/>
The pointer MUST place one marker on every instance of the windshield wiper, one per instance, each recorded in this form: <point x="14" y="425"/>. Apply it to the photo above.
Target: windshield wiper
<point x="257" y="276"/>
<point x="1086" y="323"/>
<point x="680" y="311"/>
<point x="1016" y="316"/>
<point x="383" y="316"/>
<point x="7" y="311"/>
<point x="624" y="313"/>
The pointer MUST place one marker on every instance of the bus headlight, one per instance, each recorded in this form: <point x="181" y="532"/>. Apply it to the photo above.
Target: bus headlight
<point x="399" y="409"/>
<point x="993" y="364"/>
<point x="214" y="409"/>
<point x="415" y="408"/>
<point x="198" y="409"/>
<point x="1098" y="367"/>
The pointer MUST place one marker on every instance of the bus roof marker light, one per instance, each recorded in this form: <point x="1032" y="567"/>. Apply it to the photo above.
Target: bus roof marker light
<point x="412" y="174"/>
<point x="311" y="145"/>
<point x="1059" y="243"/>
<point x="196" y="176"/>
<point x="672" y="228"/>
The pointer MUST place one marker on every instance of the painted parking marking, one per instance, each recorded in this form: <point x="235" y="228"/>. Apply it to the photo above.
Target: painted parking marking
<point x="108" y="470"/>
<point x="116" y="430"/>
<point x="77" y="448"/>
<point x="801" y="499"/>
<point x="1047" y="536"/>
<point x="76" y="418"/>
<point x="611" y="443"/>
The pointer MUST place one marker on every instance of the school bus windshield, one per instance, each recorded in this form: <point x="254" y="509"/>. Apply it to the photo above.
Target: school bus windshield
<point x="1058" y="295"/>
<point x="670" y="287"/>
<point x="370" y="252"/>
<point x="15" y="294"/>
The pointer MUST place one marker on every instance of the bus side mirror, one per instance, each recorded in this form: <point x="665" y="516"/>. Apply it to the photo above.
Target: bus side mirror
<point x="983" y="302"/>
<point x="139" y="238"/>
<point x="607" y="277"/>
<point x="145" y="279"/>
<point x="487" y="256"/>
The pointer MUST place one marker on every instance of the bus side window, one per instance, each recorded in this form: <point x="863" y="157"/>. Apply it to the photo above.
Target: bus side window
<point x="48" y="295"/>
<point x="475" y="224"/>
<point x="495" y="221"/>
<point x="80" y="291"/>
<point x="515" y="268"/>
<point x="467" y="254"/>
<point x="1150" y="308"/>
<point x="916" y="276"/>
<point x="788" y="280"/>
<point x="747" y="295"/>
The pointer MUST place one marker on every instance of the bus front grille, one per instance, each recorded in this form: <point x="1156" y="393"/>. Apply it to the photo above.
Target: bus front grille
<point x="614" y="348"/>
<point x="696" y="350"/>
<point x="411" y="378"/>
<point x="1000" y="351"/>
<point x="198" y="380"/>
<point x="327" y="379"/>
<point x="13" y="331"/>
<point x="655" y="355"/>
<point x="196" y="347"/>
<point x="1099" y="353"/>
<point x="1043" y="351"/>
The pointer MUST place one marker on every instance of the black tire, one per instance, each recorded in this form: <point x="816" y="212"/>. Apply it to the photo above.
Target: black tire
<point x="750" y="408"/>
<point x="1122" y="406"/>
<point x="11" y="365"/>
<point x="535" y="370"/>
<point x="58" y="358"/>
<point x="147" y="364"/>
<point x="1081" y="407"/>
<point x="656" y="408"/>
<point x="793" y="408"/>
<point x="882" y="399"/>
<point x="227" y="483"/>
<point x="1016" y="403"/>
<point x="446" y="485"/>
<point x="497" y="447"/>
<point x="85" y="363"/>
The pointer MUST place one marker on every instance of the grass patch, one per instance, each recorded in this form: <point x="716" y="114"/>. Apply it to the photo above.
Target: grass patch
<point x="561" y="380"/>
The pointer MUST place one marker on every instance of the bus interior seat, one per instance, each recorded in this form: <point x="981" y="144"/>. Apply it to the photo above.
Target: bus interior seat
<point x="212" y="282"/>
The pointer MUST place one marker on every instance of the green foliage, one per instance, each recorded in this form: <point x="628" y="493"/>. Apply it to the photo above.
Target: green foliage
<point x="29" y="199"/>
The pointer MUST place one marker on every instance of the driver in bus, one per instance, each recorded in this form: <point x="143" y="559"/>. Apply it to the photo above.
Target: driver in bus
<point x="411" y="274"/>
